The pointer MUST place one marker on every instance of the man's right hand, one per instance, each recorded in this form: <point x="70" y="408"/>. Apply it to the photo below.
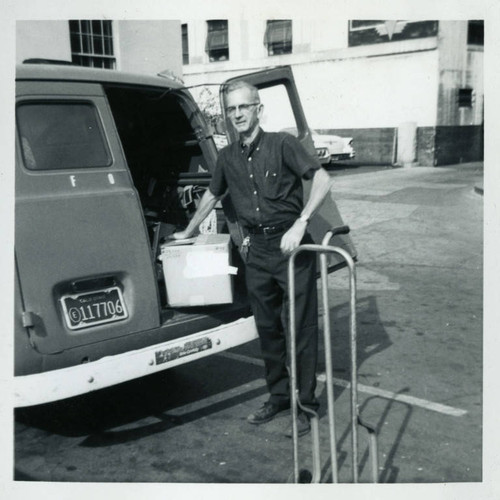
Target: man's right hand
<point x="180" y="235"/>
<point x="206" y="205"/>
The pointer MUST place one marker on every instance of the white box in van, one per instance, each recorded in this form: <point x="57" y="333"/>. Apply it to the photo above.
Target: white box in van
<point x="199" y="273"/>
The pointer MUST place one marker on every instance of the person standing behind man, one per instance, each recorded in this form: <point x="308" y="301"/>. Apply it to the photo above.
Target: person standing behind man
<point x="263" y="174"/>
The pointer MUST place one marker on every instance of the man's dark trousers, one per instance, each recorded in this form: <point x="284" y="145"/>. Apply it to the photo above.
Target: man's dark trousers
<point x="267" y="283"/>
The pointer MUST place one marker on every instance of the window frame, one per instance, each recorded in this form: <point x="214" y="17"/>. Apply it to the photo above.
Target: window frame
<point x="85" y="38"/>
<point x="213" y="31"/>
<point x="57" y="102"/>
<point x="185" y="43"/>
<point x="273" y="27"/>
<point x="465" y="97"/>
<point x="375" y="23"/>
<point x="475" y="32"/>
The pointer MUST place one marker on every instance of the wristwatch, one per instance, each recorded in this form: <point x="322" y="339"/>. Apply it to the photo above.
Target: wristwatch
<point x="304" y="218"/>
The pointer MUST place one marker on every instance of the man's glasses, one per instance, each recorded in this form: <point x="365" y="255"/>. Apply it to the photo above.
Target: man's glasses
<point x="231" y="110"/>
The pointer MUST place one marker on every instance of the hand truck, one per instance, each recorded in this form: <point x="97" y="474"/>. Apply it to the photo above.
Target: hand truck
<point x="315" y="476"/>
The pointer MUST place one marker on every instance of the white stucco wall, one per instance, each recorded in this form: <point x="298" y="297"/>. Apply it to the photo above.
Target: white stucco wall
<point x="363" y="92"/>
<point x="370" y="92"/>
<point x="148" y="47"/>
<point x="381" y="85"/>
<point x="42" y="39"/>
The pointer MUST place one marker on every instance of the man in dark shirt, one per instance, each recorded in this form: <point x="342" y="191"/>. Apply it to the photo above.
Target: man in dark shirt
<point x="262" y="173"/>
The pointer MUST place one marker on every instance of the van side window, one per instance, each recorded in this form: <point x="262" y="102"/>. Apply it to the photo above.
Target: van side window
<point x="62" y="135"/>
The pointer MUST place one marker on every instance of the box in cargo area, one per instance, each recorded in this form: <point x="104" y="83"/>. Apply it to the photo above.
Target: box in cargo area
<point x="199" y="273"/>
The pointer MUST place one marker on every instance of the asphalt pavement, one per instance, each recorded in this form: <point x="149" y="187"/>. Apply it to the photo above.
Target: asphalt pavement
<point x="419" y="236"/>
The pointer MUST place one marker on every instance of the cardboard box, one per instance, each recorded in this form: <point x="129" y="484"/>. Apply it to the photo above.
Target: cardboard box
<point x="199" y="273"/>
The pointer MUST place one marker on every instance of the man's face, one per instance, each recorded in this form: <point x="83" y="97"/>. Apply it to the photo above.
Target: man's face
<point x="245" y="119"/>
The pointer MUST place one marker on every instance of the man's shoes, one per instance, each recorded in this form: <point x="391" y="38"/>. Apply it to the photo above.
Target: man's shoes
<point x="267" y="412"/>
<point x="303" y="426"/>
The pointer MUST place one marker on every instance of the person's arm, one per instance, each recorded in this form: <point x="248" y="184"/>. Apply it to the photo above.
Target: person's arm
<point x="206" y="205"/>
<point x="321" y="185"/>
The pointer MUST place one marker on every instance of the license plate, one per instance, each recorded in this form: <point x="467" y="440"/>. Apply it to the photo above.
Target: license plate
<point x="94" y="308"/>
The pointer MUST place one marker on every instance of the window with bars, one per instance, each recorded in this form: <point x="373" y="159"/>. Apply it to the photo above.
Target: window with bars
<point x="217" y="46"/>
<point x="185" y="44"/>
<point x="278" y="37"/>
<point x="92" y="43"/>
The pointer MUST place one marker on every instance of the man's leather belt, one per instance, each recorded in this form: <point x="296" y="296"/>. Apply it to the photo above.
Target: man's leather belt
<point x="278" y="228"/>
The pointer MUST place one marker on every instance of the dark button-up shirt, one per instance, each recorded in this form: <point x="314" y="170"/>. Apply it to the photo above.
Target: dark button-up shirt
<point x="264" y="178"/>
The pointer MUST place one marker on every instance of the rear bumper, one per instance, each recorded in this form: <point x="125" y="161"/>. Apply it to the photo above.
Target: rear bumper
<point x="343" y="156"/>
<point x="54" y="385"/>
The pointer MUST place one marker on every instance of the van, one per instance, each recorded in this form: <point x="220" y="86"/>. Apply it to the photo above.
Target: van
<point x="108" y="164"/>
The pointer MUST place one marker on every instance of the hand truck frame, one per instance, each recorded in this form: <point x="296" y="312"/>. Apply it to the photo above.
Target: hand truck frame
<point x="315" y="476"/>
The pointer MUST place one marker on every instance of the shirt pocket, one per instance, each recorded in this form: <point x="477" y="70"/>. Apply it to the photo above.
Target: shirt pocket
<point x="272" y="182"/>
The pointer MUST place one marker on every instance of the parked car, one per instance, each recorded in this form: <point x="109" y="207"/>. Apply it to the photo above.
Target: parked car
<point x="108" y="164"/>
<point x="329" y="148"/>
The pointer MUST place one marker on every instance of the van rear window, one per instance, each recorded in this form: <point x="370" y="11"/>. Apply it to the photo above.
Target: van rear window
<point x="62" y="135"/>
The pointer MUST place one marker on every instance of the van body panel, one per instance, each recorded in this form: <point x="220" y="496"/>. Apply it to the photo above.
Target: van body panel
<point x="79" y="230"/>
<point x="189" y="323"/>
<point x="24" y="355"/>
<point x="67" y="382"/>
<point x="58" y="73"/>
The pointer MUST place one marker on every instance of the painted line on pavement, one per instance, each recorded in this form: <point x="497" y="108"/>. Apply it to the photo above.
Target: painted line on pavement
<point x="411" y="400"/>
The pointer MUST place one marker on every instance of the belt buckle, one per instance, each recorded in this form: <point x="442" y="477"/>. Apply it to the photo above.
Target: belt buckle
<point x="268" y="229"/>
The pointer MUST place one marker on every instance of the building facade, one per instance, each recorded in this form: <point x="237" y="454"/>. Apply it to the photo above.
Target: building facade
<point x="409" y="92"/>
<point x="148" y="47"/>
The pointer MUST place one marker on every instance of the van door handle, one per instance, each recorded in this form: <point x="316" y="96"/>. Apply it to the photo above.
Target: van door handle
<point x="28" y="319"/>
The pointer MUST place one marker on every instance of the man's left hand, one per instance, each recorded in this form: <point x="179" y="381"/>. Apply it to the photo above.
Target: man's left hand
<point x="292" y="238"/>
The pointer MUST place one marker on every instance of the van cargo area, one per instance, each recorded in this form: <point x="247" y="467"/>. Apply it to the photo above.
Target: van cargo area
<point x="169" y="157"/>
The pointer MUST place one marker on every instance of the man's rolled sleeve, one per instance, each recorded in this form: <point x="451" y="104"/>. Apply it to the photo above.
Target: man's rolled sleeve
<point x="218" y="183"/>
<point x="298" y="159"/>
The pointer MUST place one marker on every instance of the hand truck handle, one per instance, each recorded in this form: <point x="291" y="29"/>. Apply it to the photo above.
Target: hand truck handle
<point x="334" y="231"/>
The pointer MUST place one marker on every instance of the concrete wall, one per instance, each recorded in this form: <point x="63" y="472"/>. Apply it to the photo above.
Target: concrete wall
<point x="42" y="39"/>
<point x="372" y="145"/>
<point x="370" y="92"/>
<point x="426" y="146"/>
<point x="474" y="79"/>
<point x="446" y="145"/>
<point x="443" y="145"/>
<point x="365" y="90"/>
<point x="460" y="66"/>
<point x="350" y="87"/>
<point x="355" y="92"/>
<point x="458" y="144"/>
<point x="148" y="47"/>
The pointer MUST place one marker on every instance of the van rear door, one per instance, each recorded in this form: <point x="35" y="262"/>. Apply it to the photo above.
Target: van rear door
<point x="283" y="111"/>
<point x="82" y="249"/>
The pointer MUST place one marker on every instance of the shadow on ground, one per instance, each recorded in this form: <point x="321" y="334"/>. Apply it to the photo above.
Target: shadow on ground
<point x="97" y="416"/>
